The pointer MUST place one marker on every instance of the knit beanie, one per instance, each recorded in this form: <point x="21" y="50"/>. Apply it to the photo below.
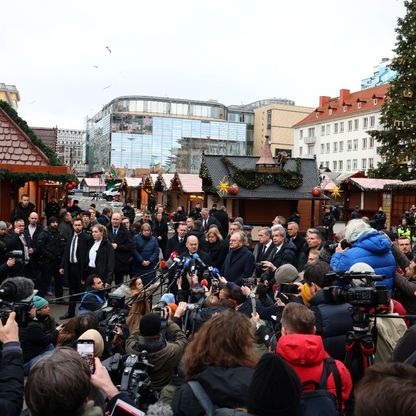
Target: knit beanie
<point x="150" y="325"/>
<point x="39" y="302"/>
<point x="275" y="388"/>
<point x="98" y="341"/>
<point x="286" y="274"/>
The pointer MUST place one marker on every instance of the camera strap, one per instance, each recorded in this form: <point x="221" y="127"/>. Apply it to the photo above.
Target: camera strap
<point x="202" y="397"/>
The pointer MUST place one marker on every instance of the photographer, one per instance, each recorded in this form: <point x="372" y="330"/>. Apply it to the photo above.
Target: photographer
<point x="333" y="321"/>
<point x="164" y="352"/>
<point x="6" y="267"/>
<point x="95" y="296"/>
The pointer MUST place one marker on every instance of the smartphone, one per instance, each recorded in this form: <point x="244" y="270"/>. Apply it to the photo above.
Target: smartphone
<point x="85" y="348"/>
<point x="279" y="295"/>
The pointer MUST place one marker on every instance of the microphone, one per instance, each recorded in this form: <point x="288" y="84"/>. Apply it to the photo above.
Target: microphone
<point x="204" y="282"/>
<point x="197" y="257"/>
<point x="16" y="288"/>
<point x="214" y="272"/>
<point x="163" y="264"/>
<point x="171" y="259"/>
<point x="175" y="262"/>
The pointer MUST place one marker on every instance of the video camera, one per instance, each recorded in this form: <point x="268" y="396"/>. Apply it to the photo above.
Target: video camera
<point x="131" y="375"/>
<point x="161" y="309"/>
<point x="115" y="315"/>
<point x="366" y="294"/>
<point x="16" y="295"/>
<point x="17" y="255"/>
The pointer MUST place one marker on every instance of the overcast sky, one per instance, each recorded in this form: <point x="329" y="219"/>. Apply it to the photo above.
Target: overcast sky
<point x="234" y="51"/>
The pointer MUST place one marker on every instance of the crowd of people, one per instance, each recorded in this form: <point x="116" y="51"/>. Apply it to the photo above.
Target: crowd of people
<point x="283" y="326"/>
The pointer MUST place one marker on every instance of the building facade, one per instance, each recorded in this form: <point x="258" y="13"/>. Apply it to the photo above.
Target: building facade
<point x="336" y="132"/>
<point x="71" y="149"/>
<point x="142" y="132"/>
<point x="9" y="94"/>
<point x="382" y="74"/>
<point x="275" y="120"/>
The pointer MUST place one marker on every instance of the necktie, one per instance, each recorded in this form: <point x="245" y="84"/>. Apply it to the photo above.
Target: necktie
<point x="115" y="231"/>
<point x="73" y="250"/>
<point x="180" y="240"/>
<point x="205" y="224"/>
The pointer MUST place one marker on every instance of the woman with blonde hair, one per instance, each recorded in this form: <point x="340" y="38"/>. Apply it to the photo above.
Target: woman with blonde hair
<point x="221" y="359"/>
<point x="101" y="255"/>
<point x="215" y="246"/>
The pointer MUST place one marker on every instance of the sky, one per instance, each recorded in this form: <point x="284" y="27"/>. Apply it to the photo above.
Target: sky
<point x="68" y="59"/>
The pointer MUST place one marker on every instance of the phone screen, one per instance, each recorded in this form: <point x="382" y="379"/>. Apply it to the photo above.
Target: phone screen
<point x="281" y="296"/>
<point x="85" y="349"/>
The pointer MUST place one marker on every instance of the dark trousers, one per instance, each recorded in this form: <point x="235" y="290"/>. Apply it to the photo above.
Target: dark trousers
<point x="49" y="271"/>
<point x="75" y="276"/>
<point x="119" y="276"/>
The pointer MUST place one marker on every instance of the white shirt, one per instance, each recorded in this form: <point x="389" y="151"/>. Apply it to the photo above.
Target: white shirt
<point x="278" y="249"/>
<point x="32" y="229"/>
<point x="93" y="253"/>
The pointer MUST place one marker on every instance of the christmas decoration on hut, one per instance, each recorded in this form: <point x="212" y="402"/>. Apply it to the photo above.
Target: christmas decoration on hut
<point x="223" y="186"/>
<point x="234" y="189"/>
<point x="176" y="184"/>
<point x="148" y="184"/>
<point x="316" y="191"/>
<point x="408" y="93"/>
<point x="336" y="192"/>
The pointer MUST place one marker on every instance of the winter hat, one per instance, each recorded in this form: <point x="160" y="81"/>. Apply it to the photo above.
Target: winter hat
<point x="39" y="302"/>
<point x="168" y="298"/>
<point x="275" y="388"/>
<point x="286" y="274"/>
<point x="98" y="341"/>
<point x="52" y="219"/>
<point x="3" y="225"/>
<point x="150" y="325"/>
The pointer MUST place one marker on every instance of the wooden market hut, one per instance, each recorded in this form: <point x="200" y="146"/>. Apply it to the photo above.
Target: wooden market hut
<point x="27" y="165"/>
<point x="267" y="187"/>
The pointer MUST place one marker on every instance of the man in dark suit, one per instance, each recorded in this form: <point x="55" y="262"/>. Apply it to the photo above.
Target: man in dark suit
<point x="239" y="263"/>
<point x="73" y="265"/>
<point x="298" y="240"/>
<point x="177" y="242"/>
<point x="263" y="249"/>
<point x="32" y="232"/>
<point x="222" y="216"/>
<point x="122" y="243"/>
<point x="284" y="253"/>
<point x="207" y="220"/>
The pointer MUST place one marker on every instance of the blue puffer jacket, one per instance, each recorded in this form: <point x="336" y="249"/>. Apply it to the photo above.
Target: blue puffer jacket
<point x="373" y="249"/>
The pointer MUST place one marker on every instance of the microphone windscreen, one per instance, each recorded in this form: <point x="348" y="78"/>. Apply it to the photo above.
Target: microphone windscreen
<point x="204" y="282"/>
<point x="163" y="264"/>
<point x="173" y="255"/>
<point x="17" y="288"/>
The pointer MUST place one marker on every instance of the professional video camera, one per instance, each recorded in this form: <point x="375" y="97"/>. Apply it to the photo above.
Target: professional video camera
<point x="16" y="295"/>
<point x="344" y="244"/>
<point x="364" y="294"/>
<point x="115" y="315"/>
<point x="16" y="254"/>
<point x="130" y="374"/>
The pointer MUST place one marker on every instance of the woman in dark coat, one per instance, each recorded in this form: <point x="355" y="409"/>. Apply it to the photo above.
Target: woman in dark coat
<point x="160" y="231"/>
<point x="215" y="247"/>
<point x="145" y="253"/>
<point x="101" y="254"/>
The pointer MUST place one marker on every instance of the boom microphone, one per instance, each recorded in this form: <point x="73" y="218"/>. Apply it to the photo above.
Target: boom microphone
<point x="16" y="288"/>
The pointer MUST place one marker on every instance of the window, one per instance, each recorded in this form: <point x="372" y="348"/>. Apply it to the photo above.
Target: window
<point x="322" y="148"/>
<point x="341" y="127"/>
<point x="269" y="119"/>
<point x="340" y="165"/>
<point x="341" y="146"/>
<point x="371" y="143"/>
<point x="328" y="129"/>
<point x="336" y="128"/>
<point x="350" y="125"/>
<point x="301" y="134"/>
<point x="363" y="164"/>
<point x="344" y="108"/>
<point x="300" y="151"/>
<point x="356" y="124"/>
<point x="310" y="149"/>
<point x="370" y="163"/>
<point x="372" y="121"/>
<point x="354" y="164"/>
<point x="330" y="111"/>
<point x="335" y="146"/>
<point x="328" y="147"/>
<point x="365" y="122"/>
<point x="355" y="144"/>
<point x="349" y="145"/>
<point x="311" y="132"/>
<point x="375" y="101"/>
<point x="322" y="130"/>
<point x="349" y="164"/>
<point x="359" y="104"/>
<point x="364" y="142"/>
<point x="327" y="164"/>
<point x="334" y="165"/>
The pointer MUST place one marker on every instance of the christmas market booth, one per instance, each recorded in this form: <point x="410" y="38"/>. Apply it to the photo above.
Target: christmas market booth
<point x="400" y="196"/>
<point x="259" y="189"/>
<point x="27" y="166"/>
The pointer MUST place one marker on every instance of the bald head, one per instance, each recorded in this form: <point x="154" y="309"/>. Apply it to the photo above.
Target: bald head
<point x="192" y="244"/>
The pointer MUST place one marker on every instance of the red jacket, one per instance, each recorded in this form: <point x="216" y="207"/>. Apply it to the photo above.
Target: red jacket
<point x="306" y="354"/>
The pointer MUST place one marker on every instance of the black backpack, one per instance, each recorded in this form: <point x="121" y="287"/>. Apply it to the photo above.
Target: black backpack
<point x="209" y="407"/>
<point x="321" y="401"/>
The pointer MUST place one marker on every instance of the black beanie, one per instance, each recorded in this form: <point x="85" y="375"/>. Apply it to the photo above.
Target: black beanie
<point x="275" y="389"/>
<point x="150" y="325"/>
<point x="52" y="219"/>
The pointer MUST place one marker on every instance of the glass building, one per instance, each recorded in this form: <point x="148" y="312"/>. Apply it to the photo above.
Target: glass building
<point x="141" y="132"/>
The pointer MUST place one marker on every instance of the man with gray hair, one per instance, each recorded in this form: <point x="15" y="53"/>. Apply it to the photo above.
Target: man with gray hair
<point x="263" y="249"/>
<point x="367" y="246"/>
<point x="207" y="220"/>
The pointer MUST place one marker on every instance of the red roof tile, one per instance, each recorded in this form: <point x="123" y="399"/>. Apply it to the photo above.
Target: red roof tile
<point x="365" y="97"/>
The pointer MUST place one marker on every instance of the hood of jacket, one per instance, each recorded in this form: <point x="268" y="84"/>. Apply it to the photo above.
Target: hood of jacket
<point x="301" y="350"/>
<point x="374" y="243"/>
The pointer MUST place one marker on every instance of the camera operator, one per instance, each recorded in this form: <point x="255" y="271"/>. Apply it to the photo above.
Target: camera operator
<point x="16" y="241"/>
<point x="333" y="321"/>
<point x="11" y="368"/>
<point x="6" y="267"/>
<point x="367" y="246"/>
<point x="164" y="352"/>
<point x="95" y="296"/>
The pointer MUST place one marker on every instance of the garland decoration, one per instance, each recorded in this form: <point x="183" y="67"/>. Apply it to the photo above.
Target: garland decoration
<point x="160" y="185"/>
<point x="49" y="152"/>
<point x="207" y="185"/>
<point x="176" y="184"/>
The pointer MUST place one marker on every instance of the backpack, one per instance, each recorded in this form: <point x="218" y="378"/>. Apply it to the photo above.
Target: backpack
<point x="321" y="401"/>
<point x="209" y="407"/>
